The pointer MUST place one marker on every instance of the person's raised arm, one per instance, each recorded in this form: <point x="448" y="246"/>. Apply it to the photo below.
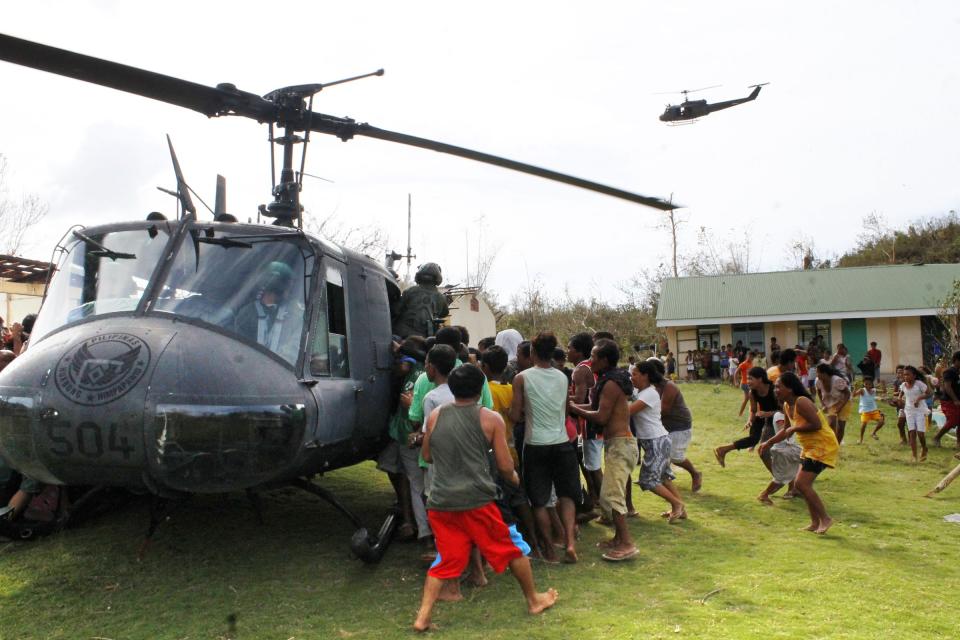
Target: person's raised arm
<point x="516" y="406"/>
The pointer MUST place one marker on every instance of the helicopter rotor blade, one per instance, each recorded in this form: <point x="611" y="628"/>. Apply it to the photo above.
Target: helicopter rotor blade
<point x="209" y="101"/>
<point x="225" y="99"/>
<point x="442" y="147"/>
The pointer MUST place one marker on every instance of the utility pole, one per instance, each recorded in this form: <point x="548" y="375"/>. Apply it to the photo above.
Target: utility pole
<point x="673" y="233"/>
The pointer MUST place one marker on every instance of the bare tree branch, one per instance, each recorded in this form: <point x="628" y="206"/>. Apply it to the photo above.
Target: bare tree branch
<point x="17" y="215"/>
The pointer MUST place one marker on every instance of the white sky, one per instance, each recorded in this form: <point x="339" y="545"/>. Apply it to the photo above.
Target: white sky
<point x="860" y="116"/>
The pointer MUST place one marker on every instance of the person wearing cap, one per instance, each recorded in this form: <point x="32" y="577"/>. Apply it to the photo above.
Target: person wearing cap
<point x="271" y="319"/>
<point x="421" y="304"/>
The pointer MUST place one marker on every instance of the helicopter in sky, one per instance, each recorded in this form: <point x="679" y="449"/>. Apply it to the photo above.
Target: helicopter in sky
<point x="689" y="110"/>
<point x="195" y="356"/>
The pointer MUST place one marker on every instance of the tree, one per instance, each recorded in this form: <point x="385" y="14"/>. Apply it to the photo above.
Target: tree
<point x="17" y="215"/>
<point x="949" y="315"/>
<point x="371" y="240"/>
<point x="713" y="259"/>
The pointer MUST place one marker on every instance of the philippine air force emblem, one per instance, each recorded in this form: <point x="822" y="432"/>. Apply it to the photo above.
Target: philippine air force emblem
<point x="103" y="368"/>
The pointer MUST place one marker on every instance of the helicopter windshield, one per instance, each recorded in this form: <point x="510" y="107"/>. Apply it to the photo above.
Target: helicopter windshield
<point x="101" y="273"/>
<point x="250" y="285"/>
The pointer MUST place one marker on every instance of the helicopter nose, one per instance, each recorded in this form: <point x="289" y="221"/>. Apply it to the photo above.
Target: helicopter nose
<point x="156" y="405"/>
<point x="221" y="415"/>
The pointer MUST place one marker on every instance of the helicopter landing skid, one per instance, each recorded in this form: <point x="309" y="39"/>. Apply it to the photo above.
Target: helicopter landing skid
<point x="367" y="547"/>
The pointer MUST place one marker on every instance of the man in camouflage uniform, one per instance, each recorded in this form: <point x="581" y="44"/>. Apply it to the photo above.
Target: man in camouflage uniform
<point x="420" y="304"/>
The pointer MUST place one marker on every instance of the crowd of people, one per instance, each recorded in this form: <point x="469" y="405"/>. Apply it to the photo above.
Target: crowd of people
<point x="558" y="437"/>
<point x="499" y="454"/>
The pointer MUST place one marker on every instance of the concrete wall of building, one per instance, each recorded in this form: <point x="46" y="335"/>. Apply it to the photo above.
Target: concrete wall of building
<point x="473" y="313"/>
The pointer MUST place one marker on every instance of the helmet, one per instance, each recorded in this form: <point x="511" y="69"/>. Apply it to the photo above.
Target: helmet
<point x="429" y="273"/>
<point x="277" y="277"/>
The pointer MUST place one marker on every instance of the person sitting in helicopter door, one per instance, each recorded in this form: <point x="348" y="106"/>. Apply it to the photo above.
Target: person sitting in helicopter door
<point x="461" y="506"/>
<point x="271" y="319"/>
<point x="421" y="304"/>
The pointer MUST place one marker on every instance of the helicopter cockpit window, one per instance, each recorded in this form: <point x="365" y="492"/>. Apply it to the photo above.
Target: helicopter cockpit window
<point x="101" y="273"/>
<point x="329" y="349"/>
<point x="251" y="285"/>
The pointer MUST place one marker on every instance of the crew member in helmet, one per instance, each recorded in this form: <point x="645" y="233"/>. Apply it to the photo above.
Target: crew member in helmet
<point x="273" y="319"/>
<point x="421" y="304"/>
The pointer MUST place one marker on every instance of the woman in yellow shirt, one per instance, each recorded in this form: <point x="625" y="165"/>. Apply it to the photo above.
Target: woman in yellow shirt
<point x="818" y="442"/>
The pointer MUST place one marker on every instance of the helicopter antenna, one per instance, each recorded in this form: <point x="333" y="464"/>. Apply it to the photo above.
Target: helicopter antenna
<point x="183" y="191"/>
<point x="409" y="255"/>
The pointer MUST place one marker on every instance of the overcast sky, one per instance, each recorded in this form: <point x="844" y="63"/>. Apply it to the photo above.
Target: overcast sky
<point x="860" y="115"/>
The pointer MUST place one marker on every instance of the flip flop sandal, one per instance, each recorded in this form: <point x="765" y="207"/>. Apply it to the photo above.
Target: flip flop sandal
<point x="619" y="556"/>
<point x="720" y="460"/>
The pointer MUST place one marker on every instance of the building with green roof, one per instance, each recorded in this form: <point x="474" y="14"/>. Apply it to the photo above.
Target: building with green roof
<point x="895" y="306"/>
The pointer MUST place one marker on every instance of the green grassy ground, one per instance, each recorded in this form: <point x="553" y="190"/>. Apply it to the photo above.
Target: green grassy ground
<point x="735" y="569"/>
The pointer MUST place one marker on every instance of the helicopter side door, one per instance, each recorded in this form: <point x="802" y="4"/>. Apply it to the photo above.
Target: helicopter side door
<point x="371" y="336"/>
<point x="328" y="357"/>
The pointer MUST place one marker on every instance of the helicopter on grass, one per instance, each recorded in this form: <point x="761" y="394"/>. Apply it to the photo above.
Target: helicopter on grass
<point x="193" y="356"/>
<point x="689" y="111"/>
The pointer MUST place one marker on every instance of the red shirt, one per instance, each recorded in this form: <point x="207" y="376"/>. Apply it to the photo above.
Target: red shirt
<point x="875" y="355"/>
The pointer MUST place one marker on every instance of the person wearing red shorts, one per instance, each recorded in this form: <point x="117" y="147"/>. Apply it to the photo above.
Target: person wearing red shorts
<point x="950" y="400"/>
<point x="461" y="506"/>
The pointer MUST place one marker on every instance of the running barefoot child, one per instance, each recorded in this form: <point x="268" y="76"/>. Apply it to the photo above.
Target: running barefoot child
<point x="915" y="410"/>
<point x="784" y="463"/>
<point x="609" y="409"/>
<point x="833" y="390"/>
<point x="818" y="443"/>
<point x="461" y="505"/>
<point x="655" y="472"/>
<point x="869" y="411"/>
<point x="741" y="378"/>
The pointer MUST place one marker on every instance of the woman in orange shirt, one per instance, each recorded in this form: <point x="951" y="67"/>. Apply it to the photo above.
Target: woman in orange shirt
<point x="817" y="440"/>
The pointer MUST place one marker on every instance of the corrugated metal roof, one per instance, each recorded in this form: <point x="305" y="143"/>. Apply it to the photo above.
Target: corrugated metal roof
<point x="820" y="291"/>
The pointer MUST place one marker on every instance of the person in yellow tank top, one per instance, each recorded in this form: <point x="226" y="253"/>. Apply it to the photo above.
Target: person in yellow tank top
<point x="818" y="442"/>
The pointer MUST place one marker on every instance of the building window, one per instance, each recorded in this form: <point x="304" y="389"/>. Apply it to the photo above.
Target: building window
<point x="751" y="335"/>
<point x="708" y="337"/>
<point x="810" y="329"/>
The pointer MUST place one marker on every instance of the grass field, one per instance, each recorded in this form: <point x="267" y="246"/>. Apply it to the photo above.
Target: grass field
<point x="735" y="569"/>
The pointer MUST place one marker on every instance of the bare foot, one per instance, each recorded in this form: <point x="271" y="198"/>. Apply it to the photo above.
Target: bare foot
<point x="824" y="526"/>
<point x="860" y="441"/>
<point x="543" y="601"/>
<point x="665" y="514"/>
<point x="677" y="515"/>
<point x="765" y="499"/>
<point x="450" y="591"/>
<point x="923" y="455"/>
<point x="570" y="556"/>
<point x="812" y="527"/>
<point x="697" y="482"/>
<point x="421" y="626"/>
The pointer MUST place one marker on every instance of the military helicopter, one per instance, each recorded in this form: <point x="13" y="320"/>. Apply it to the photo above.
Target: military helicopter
<point x="187" y="356"/>
<point x="689" y="110"/>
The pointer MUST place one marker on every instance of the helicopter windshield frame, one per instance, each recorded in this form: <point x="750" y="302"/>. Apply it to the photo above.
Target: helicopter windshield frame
<point x="221" y="283"/>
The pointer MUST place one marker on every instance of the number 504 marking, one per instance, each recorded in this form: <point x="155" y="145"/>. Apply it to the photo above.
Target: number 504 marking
<point x="87" y="440"/>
